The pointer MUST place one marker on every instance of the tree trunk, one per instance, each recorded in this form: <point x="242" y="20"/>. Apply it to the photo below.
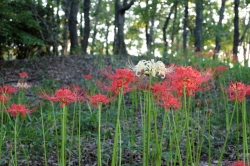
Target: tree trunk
<point x="185" y="25"/>
<point x="95" y="27"/>
<point x="57" y="42"/>
<point x="217" y="38"/>
<point x="165" y="27"/>
<point x="150" y="21"/>
<point x="198" y="25"/>
<point x="236" y="29"/>
<point x="173" y="29"/>
<point x="149" y="36"/>
<point x="86" y="8"/>
<point x="119" y="42"/>
<point x="66" y="7"/>
<point x="106" y="37"/>
<point x="73" y="26"/>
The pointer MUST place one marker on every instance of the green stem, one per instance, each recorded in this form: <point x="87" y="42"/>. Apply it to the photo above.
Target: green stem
<point x="63" y="135"/>
<point x="72" y="134"/>
<point x="188" y="145"/>
<point x="177" y="140"/>
<point x="237" y="133"/>
<point x="161" y="140"/>
<point x="2" y="127"/>
<point x="245" y="144"/>
<point x="228" y="132"/>
<point x="143" y="123"/>
<point x="15" y="139"/>
<point x="157" y="145"/>
<point x="99" y="136"/>
<point x="44" y="140"/>
<point x="55" y="127"/>
<point x="148" y="115"/>
<point x="209" y="141"/>
<point x="79" y="135"/>
<point x="115" y="146"/>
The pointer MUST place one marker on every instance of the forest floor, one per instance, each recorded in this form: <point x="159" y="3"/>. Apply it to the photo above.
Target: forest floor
<point x="68" y="70"/>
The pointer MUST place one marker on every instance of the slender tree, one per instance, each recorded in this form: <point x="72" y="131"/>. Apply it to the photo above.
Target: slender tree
<point x="119" y="41"/>
<point x="106" y="37"/>
<point x="66" y="8"/>
<point x="198" y="25"/>
<point x="74" y="8"/>
<point x="86" y="10"/>
<point x="236" y="28"/>
<point x="97" y="12"/>
<point x="173" y="7"/>
<point x="174" y="25"/>
<point x="150" y="22"/>
<point x="185" y="25"/>
<point x="217" y="37"/>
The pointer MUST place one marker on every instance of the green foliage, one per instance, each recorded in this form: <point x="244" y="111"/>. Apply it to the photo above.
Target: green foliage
<point x="239" y="73"/>
<point x="19" y="28"/>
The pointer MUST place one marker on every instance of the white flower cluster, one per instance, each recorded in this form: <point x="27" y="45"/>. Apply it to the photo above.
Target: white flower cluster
<point x="23" y="85"/>
<point x="152" y="68"/>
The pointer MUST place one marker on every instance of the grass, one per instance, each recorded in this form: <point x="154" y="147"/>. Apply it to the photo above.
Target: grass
<point x="145" y="134"/>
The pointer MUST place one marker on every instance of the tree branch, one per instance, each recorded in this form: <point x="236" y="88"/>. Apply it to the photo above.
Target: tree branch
<point x="245" y="31"/>
<point x="126" y="6"/>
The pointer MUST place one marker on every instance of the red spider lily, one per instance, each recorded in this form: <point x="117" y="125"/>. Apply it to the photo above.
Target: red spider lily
<point x="206" y="75"/>
<point x="121" y="74"/>
<point x="160" y="89"/>
<point x="99" y="99"/>
<point x="121" y="80"/>
<point x="163" y="97"/>
<point x="248" y="90"/>
<point x="171" y="102"/>
<point x="16" y="109"/>
<point x="116" y="87"/>
<point x="188" y="79"/>
<point x="168" y="101"/>
<point x="63" y="95"/>
<point x="239" y="163"/>
<point x="79" y="91"/>
<point x="3" y="98"/>
<point x="221" y="69"/>
<point x="23" y="74"/>
<point x="87" y="76"/>
<point x="236" y="91"/>
<point x="7" y="89"/>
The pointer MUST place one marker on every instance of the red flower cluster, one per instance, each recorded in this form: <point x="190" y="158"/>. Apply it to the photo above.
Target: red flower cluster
<point x="121" y="80"/>
<point x="5" y="92"/>
<point x="63" y="95"/>
<point x="98" y="99"/>
<point x="221" y="69"/>
<point x="248" y="90"/>
<point x="23" y="74"/>
<point x="3" y="98"/>
<point x="239" y="163"/>
<point x="188" y="79"/>
<point x="163" y="96"/>
<point x="7" y="89"/>
<point x="16" y="109"/>
<point x="87" y="76"/>
<point x="237" y="91"/>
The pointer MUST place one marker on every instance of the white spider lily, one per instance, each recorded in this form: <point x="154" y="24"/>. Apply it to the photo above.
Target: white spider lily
<point x="151" y="67"/>
<point x="23" y="85"/>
